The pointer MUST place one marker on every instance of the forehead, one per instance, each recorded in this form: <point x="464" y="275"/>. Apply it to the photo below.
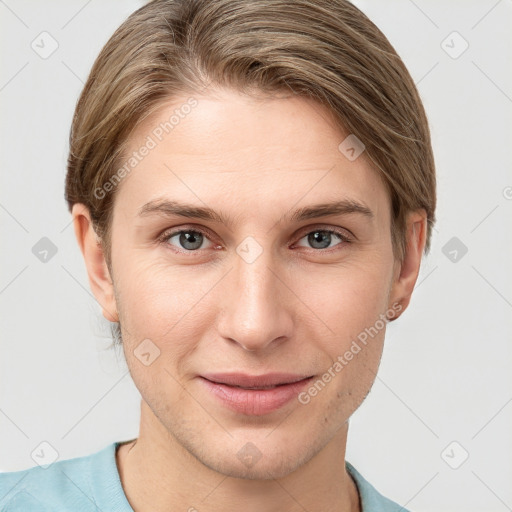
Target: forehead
<point x="257" y="152"/>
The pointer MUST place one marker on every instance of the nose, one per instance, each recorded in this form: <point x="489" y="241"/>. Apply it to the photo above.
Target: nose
<point x="255" y="304"/>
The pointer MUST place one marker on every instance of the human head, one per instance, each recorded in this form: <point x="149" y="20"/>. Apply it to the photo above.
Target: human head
<point x="273" y="90"/>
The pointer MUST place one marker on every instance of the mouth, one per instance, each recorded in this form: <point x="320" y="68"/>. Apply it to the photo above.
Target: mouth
<point x="254" y="395"/>
<point x="245" y="381"/>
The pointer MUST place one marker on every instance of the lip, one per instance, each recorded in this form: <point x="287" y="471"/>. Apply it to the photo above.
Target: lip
<point x="254" y="402"/>
<point x="254" y="381"/>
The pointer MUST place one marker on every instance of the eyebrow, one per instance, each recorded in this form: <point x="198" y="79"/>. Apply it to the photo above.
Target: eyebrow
<point x="168" y="208"/>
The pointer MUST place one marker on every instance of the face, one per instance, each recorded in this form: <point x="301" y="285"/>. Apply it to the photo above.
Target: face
<point x="271" y="281"/>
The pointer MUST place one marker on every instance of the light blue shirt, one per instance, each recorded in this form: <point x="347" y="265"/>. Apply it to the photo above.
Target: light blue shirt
<point x="92" y="483"/>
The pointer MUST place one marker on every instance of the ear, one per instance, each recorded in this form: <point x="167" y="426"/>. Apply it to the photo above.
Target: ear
<point x="406" y="273"/>
<point x="100" y="280"/>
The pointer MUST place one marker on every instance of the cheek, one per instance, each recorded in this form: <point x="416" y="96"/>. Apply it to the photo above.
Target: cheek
<point x="352" y="303"/>
<point x="162" y="320"/>
<point x="352" y="355"/>
<point x="170" y="307"/>
<point x="156" y="295"/>
<point x="347" y="299"/>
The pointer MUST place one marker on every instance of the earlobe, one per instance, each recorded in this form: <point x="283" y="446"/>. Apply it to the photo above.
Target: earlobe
<point x="407" y="273"/>
<point x="100" y="280"/>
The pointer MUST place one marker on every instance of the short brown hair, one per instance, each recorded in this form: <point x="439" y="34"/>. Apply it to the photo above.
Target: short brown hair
<point x="327" y="50"/>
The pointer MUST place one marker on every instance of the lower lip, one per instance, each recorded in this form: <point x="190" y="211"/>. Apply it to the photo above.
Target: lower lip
<point x="255" y="402"/>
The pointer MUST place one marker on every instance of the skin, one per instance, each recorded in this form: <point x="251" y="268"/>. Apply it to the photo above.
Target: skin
<point x="296" y="308"/>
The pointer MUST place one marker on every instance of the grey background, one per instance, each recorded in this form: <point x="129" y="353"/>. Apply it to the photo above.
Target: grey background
<point x="445" y="376"/>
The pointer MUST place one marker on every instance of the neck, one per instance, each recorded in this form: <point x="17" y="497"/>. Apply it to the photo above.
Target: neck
<point x="158" y="474"/>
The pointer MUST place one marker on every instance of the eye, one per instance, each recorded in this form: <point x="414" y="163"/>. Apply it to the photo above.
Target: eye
<point x="323" y="238"/>
<point x="192" y="240"/>
<point x="186" y="239"/>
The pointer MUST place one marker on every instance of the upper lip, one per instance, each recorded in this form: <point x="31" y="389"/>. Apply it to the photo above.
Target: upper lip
<point x="250" y="381"/>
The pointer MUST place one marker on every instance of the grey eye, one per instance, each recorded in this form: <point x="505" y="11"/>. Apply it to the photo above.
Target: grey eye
<point x="321" y="238"/>
<point x="188" y="240"/>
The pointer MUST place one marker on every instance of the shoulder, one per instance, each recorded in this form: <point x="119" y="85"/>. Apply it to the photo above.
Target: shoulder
<point x="371" y="499"/>
<point x="70" y="484"/>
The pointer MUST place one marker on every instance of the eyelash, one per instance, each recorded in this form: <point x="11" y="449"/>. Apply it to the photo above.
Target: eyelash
<point x="164" y="237"/>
